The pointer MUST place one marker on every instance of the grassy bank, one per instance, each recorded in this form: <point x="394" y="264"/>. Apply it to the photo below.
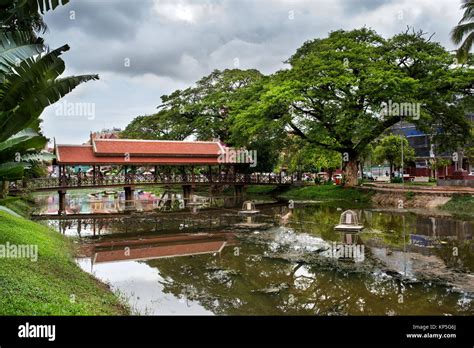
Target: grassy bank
<point x="19" y="205"/>
<point x="52" y="285"/>
<point x="260" y="189"/>
<point x="326" y="192"/>
<point x="460" y="204"/>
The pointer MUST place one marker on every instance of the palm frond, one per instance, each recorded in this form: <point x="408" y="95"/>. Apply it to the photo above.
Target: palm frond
<point x="463" y="51"/>
<point x="468" y="7"/>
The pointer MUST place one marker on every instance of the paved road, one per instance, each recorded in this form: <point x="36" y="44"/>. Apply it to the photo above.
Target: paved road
<point x="434" y="190"/>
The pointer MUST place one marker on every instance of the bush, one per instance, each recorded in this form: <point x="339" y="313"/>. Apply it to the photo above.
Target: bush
<point x="396" y="180"/>
<point x="318" y="180"/>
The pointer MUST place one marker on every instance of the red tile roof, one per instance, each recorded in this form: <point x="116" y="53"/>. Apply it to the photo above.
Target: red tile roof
<point x="139" y="152"/>
<point x="156" y="252"/>
<point x="155" y="148"/>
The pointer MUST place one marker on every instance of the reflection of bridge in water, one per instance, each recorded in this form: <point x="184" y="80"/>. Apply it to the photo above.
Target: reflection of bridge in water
<point x="171" y="245"/>
<point x="149" y="223"/>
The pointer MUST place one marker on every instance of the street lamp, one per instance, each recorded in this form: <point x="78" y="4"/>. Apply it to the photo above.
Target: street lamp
<point x="401" y="138"/>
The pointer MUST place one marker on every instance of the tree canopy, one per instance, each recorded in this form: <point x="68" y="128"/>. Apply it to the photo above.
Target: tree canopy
<point x="336" y="89"/>
<point x="389" y="149"/>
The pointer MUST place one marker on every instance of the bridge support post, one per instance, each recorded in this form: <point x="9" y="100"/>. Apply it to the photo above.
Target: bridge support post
<point x="188" y="191"/>
<point x="239" y="191"/>
<point x="128" y="195"/>
<point x="62" y="201"/>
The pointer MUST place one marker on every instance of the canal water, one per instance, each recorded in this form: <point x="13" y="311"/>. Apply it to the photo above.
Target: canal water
<point x="286" y="259"/>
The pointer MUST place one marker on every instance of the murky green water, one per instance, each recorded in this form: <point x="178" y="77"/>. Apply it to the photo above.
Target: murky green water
<point x="197" y="261"/>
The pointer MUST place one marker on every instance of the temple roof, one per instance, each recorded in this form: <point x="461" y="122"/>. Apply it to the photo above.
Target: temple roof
<point x="139" y="152"/>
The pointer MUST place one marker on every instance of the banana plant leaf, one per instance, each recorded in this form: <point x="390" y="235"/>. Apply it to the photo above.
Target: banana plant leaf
<point x="12" y="170"/>
<point x="38" y="157"/>
<point x="16" y="47"/>
<point x="20" y="143"/>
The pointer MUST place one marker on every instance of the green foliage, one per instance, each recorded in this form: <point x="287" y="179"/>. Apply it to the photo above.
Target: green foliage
<point x="29" y="82"/>
<point x="310" y="158"/>
<point x="19" y="152"/>
<point x="334" y="92"/>
<point x="202" y="110"/>
<point x="160" y="126"/>
<point x="389" y="149"/>
<point x="437" y="163"/>
<point x="260" y="189"/>
<point x="326" y="192"/>
<point x="206" y="111"/>
<point x="25" y="15"/>
<point x="20" y="205"/>
<point x="333" y="97"/>
<point x="460" y="204"/>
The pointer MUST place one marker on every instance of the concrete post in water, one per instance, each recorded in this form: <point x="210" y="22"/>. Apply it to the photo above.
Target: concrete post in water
<point x="128" y="193"/>
<point x="62" y="201"/>
<point x="210" y="173"/>
<point x="239" y="193"/>
<point x="188" y="191"/>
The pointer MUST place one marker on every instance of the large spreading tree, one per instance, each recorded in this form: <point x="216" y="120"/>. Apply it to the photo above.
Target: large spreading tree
<point x="201" y="111"/>
<point x="206" y="111"/>
<point x="336" y="91"/>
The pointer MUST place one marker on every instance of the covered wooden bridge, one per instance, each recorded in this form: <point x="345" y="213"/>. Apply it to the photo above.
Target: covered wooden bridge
<point x="147" y="162"/>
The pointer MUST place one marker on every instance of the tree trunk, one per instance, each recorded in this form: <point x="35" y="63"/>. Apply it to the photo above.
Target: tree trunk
<point x="350" y="173"/>
<point x="4" y="192"/>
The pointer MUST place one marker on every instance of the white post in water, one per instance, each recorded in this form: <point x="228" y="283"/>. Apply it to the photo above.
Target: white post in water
<point x="349" y="218"/>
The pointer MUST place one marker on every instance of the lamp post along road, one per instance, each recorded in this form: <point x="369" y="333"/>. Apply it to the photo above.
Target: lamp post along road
<point x="403" y="171"/>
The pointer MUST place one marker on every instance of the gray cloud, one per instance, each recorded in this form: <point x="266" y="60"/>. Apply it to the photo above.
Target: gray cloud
<point x="105" y="19"/>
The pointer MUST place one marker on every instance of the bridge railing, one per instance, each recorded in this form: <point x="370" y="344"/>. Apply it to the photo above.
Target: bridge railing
<point x="134" y="179"/>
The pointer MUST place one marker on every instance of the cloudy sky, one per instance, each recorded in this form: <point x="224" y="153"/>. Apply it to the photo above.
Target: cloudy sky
<point x="143" y="49"/>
